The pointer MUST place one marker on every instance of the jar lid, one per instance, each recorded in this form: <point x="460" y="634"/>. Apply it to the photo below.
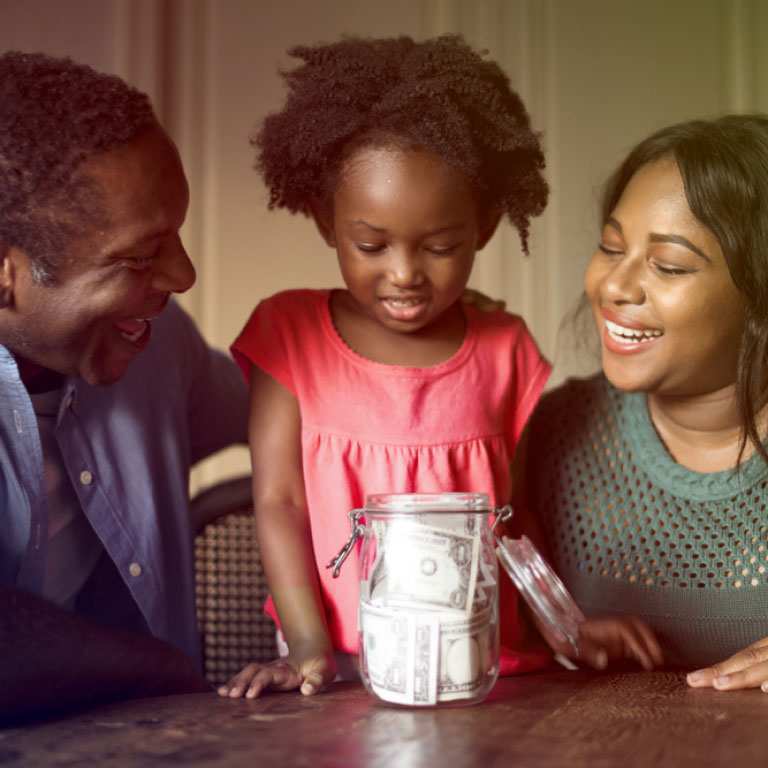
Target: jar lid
<point x="427" y="502"/>
<point x="541" y="588"/>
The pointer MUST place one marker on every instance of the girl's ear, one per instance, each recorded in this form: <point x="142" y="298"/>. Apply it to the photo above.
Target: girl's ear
<point x="323" y="221"/>
<point x="489" y="225"/>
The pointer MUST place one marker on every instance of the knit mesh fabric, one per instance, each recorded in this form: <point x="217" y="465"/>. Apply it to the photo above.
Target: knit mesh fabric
<point x="632" y="532"/>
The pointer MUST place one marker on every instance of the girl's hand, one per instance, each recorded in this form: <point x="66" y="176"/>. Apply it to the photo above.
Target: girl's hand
<point x="745" y="669"/>
<point x="602" y="640"/>
<point x="311" y="673"/>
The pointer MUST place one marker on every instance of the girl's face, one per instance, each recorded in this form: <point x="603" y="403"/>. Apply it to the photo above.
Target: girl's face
<point x="406" y="227"/>
<point x="669" y="315"/>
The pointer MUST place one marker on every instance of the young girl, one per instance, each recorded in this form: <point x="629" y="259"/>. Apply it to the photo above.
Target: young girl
<point x="406" y="155"/>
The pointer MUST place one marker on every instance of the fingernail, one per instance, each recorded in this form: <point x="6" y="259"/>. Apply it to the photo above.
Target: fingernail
<point x="601" y="660"/>
<point x="308" y="688"/>
<point x="764" y="686"/>
<point x="696" y="677"/>
<point x="722" y="682"/>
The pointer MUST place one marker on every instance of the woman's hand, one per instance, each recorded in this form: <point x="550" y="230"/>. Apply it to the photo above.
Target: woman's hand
<point x="309" y="671"/>
<point x="745" y="669"/>
<point x="602" y="640"/>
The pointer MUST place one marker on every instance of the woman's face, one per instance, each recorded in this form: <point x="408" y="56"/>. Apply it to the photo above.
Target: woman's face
<point x="669" y="316"/>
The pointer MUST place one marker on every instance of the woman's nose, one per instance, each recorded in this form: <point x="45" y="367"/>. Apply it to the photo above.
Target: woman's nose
<point x="623" y="284"/>
<point x="174" y="272"/>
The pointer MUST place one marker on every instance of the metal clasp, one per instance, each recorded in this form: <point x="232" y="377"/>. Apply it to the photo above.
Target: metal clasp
<point x="502" y="515"/>
<point x="358" y="530"/>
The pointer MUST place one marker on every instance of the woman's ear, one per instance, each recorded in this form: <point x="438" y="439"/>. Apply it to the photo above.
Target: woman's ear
<point x="323" y="219"/>
<point x="489" y="223"/>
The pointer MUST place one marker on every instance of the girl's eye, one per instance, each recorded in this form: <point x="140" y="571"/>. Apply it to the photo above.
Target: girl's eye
<point x="369" y="247"/>
<point x="608" y="251"/>
<point x="442" y="251"/>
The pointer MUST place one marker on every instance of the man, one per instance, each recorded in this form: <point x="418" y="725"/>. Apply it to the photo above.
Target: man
<point x="108" y="395"/>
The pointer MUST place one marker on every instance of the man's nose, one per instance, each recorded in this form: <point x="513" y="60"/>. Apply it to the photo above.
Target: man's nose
<point x="174" y="272"/>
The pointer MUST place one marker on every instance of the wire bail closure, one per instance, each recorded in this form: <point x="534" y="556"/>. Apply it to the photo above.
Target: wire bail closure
<point x="358" y="530"/>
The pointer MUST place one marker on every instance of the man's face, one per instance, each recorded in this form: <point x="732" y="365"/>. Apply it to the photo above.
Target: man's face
<point x="115" y="277"/>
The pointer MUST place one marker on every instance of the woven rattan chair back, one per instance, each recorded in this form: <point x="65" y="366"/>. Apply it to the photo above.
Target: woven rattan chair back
<point x="230" y="584"/>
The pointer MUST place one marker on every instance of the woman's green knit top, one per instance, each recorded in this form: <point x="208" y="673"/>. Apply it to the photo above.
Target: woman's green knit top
<point x="632" y="532"/>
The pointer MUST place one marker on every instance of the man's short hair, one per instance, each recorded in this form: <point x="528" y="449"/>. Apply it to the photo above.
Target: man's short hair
<point x="55" y="114"/>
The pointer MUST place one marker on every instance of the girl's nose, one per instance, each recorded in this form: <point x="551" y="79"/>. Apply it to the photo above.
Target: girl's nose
<point x="404" y="269"/>
<point x="173" y="271"/>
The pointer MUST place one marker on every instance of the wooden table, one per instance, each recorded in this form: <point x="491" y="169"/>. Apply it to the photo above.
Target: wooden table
<point x="550" y="719"/>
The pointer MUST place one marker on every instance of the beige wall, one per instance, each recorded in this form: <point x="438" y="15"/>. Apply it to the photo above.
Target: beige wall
<point x="596" y="75"/>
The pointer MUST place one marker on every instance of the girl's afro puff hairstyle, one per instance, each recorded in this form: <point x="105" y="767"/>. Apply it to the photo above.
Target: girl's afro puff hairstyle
<point x="438" y="95"/>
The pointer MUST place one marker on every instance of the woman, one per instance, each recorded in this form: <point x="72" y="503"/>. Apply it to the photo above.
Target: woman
<point x="650" y="480"/>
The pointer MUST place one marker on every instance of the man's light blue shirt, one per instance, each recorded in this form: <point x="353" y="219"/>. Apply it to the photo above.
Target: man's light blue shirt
<point x="128" y="449"/>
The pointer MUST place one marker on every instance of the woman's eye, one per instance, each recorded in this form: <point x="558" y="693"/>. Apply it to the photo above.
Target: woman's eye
<point x="668" y="269"/>
<point x="608" y="251"/>
<point x="444" y="251"/>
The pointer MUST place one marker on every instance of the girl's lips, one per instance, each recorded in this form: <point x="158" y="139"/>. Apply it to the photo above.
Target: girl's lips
<point x="404" y="308"/>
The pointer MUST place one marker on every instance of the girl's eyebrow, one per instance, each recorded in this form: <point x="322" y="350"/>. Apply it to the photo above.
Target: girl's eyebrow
<point x="658" y="238"/>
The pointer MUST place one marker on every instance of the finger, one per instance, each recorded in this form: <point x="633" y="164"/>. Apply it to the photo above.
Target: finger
<point x="318" y="675"/>
<point x="592" y="653"/>
<point x="237" y="685"/>
<point x="641" y="644"/>
<point x="279" y="677"/>
<point x="745" y="669"/>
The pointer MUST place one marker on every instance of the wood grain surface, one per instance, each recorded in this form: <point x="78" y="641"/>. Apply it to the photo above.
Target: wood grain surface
<point x="550" y="719"/>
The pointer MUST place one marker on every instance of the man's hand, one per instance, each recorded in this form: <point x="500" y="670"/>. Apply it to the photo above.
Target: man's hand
<point x="482" y="302"/>
<point x="57" y="661"/>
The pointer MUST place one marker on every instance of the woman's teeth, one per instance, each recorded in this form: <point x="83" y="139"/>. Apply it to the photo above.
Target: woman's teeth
<point x="631" y="335"/>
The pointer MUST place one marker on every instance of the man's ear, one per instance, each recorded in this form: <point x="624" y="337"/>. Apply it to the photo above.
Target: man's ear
<point x="323" y="219"/>
<point x="489" y="224"/>
<point x="7" y="276"/>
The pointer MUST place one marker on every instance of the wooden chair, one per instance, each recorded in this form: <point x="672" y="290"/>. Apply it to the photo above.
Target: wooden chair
<point x="230" y="584"/>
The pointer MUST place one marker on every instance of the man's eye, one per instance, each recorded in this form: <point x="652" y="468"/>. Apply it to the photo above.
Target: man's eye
<point x="140" y="263"/>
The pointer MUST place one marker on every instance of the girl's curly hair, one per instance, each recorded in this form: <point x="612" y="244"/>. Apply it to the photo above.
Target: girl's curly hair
<point x="439" y="95"/>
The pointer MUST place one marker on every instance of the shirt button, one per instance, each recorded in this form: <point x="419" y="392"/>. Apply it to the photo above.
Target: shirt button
<point x="135" y="569"/>
<point x="86" y="478"/>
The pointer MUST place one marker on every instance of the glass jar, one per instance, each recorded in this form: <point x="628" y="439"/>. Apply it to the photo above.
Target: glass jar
<point x="428" y="598"/>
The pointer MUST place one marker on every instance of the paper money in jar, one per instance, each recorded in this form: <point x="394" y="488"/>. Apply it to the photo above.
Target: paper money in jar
<point x="428" y="599"/>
